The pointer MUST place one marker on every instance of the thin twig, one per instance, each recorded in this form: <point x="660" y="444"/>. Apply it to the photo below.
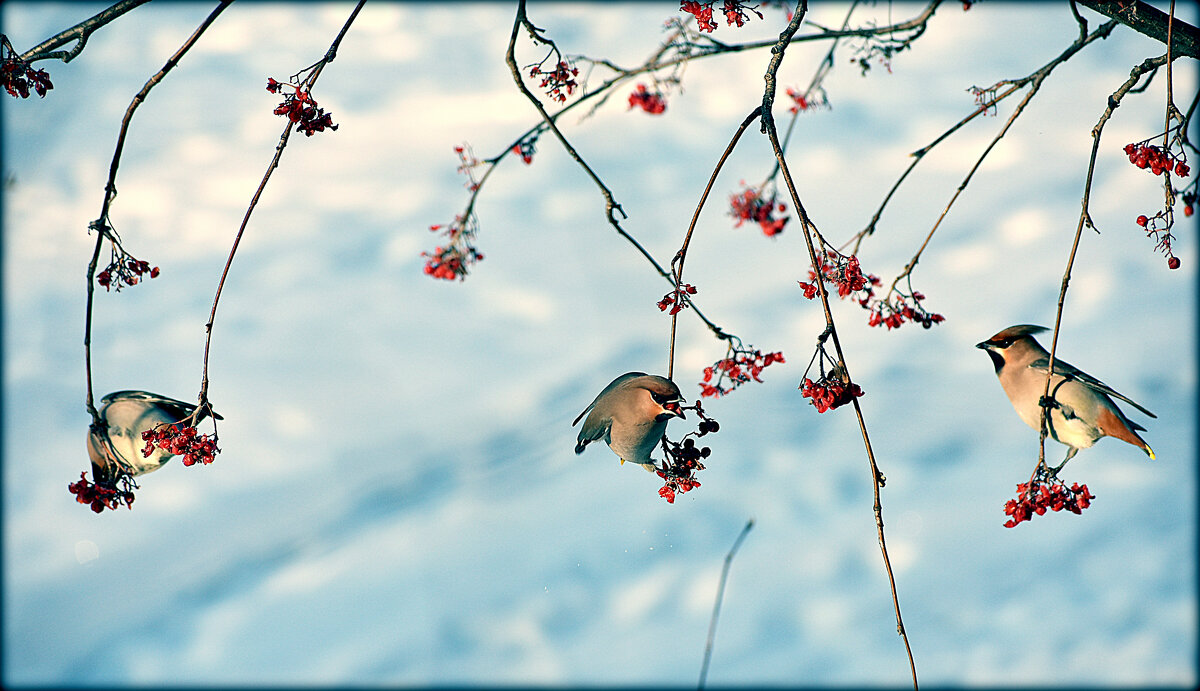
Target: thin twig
<point x="712" y="623"/>
<point x="283" y="140"/>
<point x="110" y="190"/>
<point x="681" y="255"/>
<point x="1114" y="101"/>
<point x="877" y="478"/>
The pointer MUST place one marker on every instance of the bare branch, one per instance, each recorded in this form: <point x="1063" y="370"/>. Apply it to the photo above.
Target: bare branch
<point x="1149" y="21"/>
<point x="78" y="33"/>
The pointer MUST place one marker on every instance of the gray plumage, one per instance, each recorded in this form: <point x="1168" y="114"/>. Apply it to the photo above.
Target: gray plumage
<point x="631" y="416"/>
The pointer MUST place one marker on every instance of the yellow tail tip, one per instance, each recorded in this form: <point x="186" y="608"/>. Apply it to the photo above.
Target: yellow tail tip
<point x="1149" y="452"/>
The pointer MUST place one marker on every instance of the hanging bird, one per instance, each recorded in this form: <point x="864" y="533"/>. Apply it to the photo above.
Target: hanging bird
<point x="631" y="416"/>
<point x="1082" y="410"/>
<point x="126" y="415"/>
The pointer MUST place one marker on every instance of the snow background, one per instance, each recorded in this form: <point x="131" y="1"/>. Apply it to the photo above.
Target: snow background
<point x="397" y="501"/>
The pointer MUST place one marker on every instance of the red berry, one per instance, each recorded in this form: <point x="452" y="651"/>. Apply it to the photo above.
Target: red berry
<point x="1142" y="221"/>
<point x="1188" y="210"/>
<point x="1173" y="263"/>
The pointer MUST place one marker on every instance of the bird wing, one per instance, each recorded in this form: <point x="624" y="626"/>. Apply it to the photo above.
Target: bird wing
<point x="613" y="385"/>
<point x="1071" y="372"/>
<point x="179" y="409"/>
<point x="593" y="429"/>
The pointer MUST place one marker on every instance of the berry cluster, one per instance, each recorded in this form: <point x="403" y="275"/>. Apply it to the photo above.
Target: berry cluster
<point x="526" y="148"/>
<point x="453" y="259"/>
<point x="738" y="367"/>
<point x="804" y="101"/>
<point x="752" y="205"/>
<point x="102" y="496"/>
<point x="677" y="299"/>
<point x="898" y="311"/>
<point x="650" y="101"/>
<point x="829" y="392"/>
<point x="561" y="78"/>
<point x="734" y="11"/>
<point x="182" y="440"/>
<point x="682" y="460"/>
<point x="1157" y="160"/>
<point x="125" y="270"/>
<point x="300" y="107"/>
<point x="18" y="77"/>
<point x="1045" y="492"/>
<point x="842" y="271"/>
<point x="449" y="263"/>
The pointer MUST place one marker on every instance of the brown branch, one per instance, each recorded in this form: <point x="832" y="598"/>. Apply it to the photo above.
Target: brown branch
<point x="611" y="206"/>
<point x="877" y="478"/>
<point x="101" y="225"/>
<point x="78" y="33"/>
<point x="1114" y="101"/>
<point x="1037" y="76"/>
<point x="712" y="623"/>
<point x="1149" y="21"/>
<point x="681" y="255"/>
<point x="308" y="83"/>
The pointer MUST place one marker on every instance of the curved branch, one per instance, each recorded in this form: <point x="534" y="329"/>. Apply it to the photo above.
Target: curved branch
<point x="78" y="33"/>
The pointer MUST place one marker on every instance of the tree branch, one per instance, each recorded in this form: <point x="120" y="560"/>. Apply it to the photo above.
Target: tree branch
<point x="78" y="33"/>
<point x="1146" y="20"/>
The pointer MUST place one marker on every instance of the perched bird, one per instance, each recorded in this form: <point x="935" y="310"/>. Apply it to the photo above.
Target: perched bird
<point x="631" y="415"/>
<point x="127" y="414"/>
<point x="1081" y="409"/>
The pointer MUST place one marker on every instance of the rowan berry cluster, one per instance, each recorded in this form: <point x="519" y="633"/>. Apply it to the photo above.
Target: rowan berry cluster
<point x="1045" y="491"/>
<point x="738" y="367"/>
<point x="652" y="102"/>
<point x="454" y="258"/>
<point x="18" y="77"/>
<point x="300" y="107"/>
<point x="894" y="312"/>
<point x="557" y="80"/>
<point x="449" y="263"/>
<point x="805" y="101"/>
<point x="1159" y="227"/>
<point x="125" y="270"/>
<point x="682" y="460"/>
<point x="102" y="495"/>
<point x="1158" y="161"/>
<point x="677" y="299"/>
<point x="752" y="205"/>
<point x="829" y="392"/>
<point x="842" y="271"/>
<point x="734" y="11"/>
<point x="526" y="148"/>
<point x="181" y="440"/>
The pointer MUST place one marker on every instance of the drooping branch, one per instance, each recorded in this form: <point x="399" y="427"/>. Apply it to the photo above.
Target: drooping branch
<point x="101" y="225"/>
<point x="1149" y="21"/>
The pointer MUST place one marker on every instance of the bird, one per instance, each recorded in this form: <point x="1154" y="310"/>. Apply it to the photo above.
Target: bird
<point x="117" y="446"/>
<point x="1081" y="409"/>
<point x="631" y="416"/>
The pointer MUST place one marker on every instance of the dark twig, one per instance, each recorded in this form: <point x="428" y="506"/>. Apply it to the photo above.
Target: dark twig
<point x="101" y="225"/>
<point x="308" y="83"/>
<point x="1085" y="218"/>
<point x="877" y="478"/>
<point x="712" y="623"/>
<point x="681" y="255"/>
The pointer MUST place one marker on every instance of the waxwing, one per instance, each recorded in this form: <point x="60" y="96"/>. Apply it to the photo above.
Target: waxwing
<point x="127" y="414"/>
<point x="1083" y="409"/>
<point x="631" y="416"/>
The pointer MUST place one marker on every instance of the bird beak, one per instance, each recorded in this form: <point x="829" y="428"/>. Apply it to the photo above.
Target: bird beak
<point x="982" y="345"/>
<point x="672" y="409"/>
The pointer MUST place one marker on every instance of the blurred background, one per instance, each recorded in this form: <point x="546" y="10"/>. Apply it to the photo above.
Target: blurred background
<point x="397" y="500"/>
